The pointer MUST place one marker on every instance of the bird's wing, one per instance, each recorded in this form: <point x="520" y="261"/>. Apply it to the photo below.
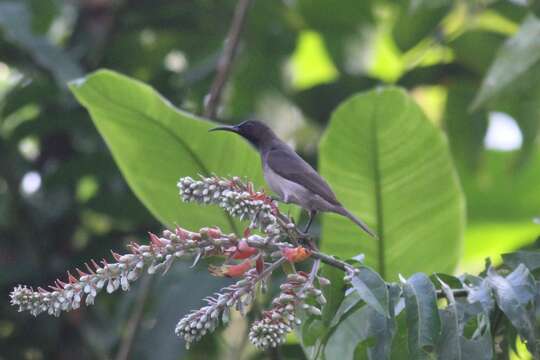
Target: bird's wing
<point x="288" y="164"/>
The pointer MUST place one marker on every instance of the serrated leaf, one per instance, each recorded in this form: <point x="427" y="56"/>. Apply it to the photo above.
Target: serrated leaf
<point x="423" y="322"/>
<point x="406" y="196"/>
<point x="154" y="144"/>
<point x="372" y="289"/>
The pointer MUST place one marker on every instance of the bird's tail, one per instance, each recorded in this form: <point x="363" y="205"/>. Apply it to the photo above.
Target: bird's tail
<point x="342" y="211"/>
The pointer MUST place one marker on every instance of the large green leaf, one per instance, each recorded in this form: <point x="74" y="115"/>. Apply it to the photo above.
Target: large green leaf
<point x="515" y="58"/>
<point x="155" y="144"/>
<point x="390" y="166"/>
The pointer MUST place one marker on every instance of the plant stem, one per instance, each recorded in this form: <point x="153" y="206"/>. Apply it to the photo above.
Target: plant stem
<point x="226" y="60"/>
<point x="133" y="322"/>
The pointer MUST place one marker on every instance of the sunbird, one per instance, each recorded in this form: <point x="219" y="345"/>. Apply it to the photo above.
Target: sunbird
<point x="291" y="178"/>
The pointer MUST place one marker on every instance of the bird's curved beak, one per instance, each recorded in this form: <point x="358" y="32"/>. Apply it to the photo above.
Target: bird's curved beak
<point x="230" y="128"/>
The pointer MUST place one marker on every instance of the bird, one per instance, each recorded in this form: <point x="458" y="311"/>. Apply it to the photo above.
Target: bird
<point x="289" y="176"/>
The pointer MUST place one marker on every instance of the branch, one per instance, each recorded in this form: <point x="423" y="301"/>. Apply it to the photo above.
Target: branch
<point x="225" y="62"/>
<point x="342" y="265"/>
<point x="134" y="321"/>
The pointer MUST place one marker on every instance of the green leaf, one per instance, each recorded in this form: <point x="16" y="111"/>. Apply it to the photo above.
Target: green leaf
<point x="476" y="49"/>
<point x="367" y="327"/>
<point x="523" y="105"/>
<point x="349" y="303"/>
<point x="43" y="14"/>
<point x="517" y="56"/>
<point x="312" y="330"/>
<point x="338" y="30"/>
<point x="479" y="292"/>
<point x="513" y="293"/>
<point x="372" y="289"/>
<point x="391" y="167"/>
<point x="334" y="293"/>
<point x="351" y="331"/>
<point x="155" y="144"/>
<point x="449" y="346"/>
<point x="383" y="328"/>
<point x="465" y="130"/>
<point x="480" y="346"/>
<point x="423" y="322"/>
<point x="16" y="24"/>
<point x="418" y="19"/>
<point x="452" y="281"/>
<point x="399" y="344"/>
<point x="531" y="259"/>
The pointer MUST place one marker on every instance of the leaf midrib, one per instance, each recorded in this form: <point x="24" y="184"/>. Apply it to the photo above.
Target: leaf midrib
<point x="378" y="192"/>
<point x="190" y="152"/>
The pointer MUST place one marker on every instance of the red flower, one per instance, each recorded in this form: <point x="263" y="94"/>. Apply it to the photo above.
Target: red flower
<point x="297" y="254"/>
<point x="231" y="270"/>
<point x="243" y="250"/>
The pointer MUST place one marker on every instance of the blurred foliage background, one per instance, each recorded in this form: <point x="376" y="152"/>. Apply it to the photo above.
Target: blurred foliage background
<point x="473" y="66"/>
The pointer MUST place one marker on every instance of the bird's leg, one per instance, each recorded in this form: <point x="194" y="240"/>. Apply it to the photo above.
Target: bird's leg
<point x="312" y="214"/>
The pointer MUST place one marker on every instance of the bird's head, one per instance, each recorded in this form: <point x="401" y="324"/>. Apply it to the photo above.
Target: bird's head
<point x="253" y="131"/>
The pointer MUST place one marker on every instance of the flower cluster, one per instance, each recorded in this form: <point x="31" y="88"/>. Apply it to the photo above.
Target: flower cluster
<point x="270" y="331"/>
<point x="204" y="320"/>
<point x="246" y="258"/>
<point x="158" y="255"/>
<point x="238" y="199"/>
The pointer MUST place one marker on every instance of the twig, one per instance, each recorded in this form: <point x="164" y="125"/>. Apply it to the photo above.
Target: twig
<point x="329" y="260"/>
<point x="456" y="292"/>
<point x="332" y="261"/>
<point x="225" y="62"/>
<point x="133" y="322"/>
<point x="273" y="353"/>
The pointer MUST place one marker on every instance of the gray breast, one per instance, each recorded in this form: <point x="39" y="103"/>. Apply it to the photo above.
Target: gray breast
<point x="288" y="191"/>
